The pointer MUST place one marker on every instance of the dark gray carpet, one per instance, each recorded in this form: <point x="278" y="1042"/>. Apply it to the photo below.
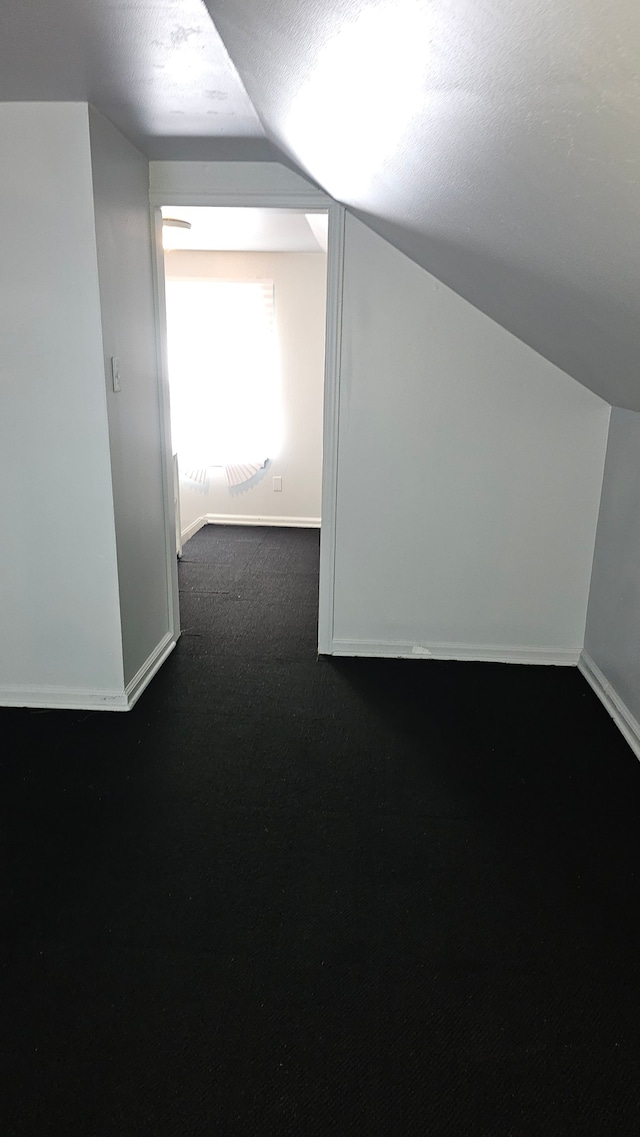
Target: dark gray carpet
<point x="290" y="896"/>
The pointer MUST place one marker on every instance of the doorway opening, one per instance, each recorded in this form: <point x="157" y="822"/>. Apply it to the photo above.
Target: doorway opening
<point x="246" y="293"/>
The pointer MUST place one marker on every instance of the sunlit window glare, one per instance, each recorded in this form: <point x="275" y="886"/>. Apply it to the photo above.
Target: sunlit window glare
<point x="351" y="114"/>
<point x="226" y="402"/>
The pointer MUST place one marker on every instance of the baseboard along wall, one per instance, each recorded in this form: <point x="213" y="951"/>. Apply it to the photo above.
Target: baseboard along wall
<point x="477" y="653"/>
<point x="253" y="519"/>
<point x="70" y="699"/>
<point x="627" y="724"/>
<point x="153" y="663"/>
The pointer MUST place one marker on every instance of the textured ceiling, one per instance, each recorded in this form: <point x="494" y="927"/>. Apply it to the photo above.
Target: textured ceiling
<point x="497" y="144"/>
<point x="157" y="68"/>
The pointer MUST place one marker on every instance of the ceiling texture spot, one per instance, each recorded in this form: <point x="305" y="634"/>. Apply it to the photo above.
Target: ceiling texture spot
<point x="140" y="62"/>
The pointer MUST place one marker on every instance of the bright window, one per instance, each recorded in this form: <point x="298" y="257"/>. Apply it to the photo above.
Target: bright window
<point x="223" y="372"/>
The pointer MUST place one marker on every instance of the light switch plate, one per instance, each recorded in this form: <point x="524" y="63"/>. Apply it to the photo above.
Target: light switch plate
<point x="115" y="372"/>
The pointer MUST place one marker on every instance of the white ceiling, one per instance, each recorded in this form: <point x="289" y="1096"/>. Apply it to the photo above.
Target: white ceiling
<point x="497" y="144"/>
<point x="246" y="229"/>
<point x="157" y="68"/>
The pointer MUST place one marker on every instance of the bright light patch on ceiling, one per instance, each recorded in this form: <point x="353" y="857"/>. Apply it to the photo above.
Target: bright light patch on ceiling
<point x="319" y="226"/>
<point x="212" y="228"/>
<point x="353" y="111"/>
<point x="222" y="228"/>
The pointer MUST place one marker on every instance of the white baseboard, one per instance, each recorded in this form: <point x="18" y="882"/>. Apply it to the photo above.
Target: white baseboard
<point x="254" y="519"/>
<point x="608" y="696"/>
<point x="240" y="519"/>
<point x="63" y="698"/>
<point x="185" y="534"/>
<point x="477" y="653"/>
<point x="146" y="673"/>
<point x="70" y="699"/>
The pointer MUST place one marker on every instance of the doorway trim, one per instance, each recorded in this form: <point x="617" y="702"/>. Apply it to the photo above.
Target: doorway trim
<point x="266" y="186"/>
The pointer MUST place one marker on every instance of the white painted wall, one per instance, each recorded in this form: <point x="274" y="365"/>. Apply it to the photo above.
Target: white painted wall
<point x="613" y="624"/>
<point x="469" y="475"/>
<point x="469" y="468"/>
<point x="59" y="616"/>
<point x="299" y="292"/>
<point x="194" y="183"/>
<point x="121" y="193"/>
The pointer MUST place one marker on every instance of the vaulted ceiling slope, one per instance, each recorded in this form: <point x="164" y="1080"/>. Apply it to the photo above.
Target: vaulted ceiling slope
<point x="497" y="144"/>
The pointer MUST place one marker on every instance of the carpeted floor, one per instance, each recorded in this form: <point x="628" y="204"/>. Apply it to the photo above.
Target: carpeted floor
<point x="290" y="896"/>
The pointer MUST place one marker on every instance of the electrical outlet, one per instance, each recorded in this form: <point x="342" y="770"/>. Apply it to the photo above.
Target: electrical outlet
<point x="277" y="484"/>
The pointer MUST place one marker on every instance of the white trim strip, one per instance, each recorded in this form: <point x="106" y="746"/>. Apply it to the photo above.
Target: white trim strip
<point x="169" y="486"/>
<point x="143" y="677"/>
<point x="63" y="698"/>
<point x="477" y="653"/>
<point x="69" y="699"/>
<point x="330" y="427"/>
<point x="253" y="519"/>
<point x="193" y="528"/>
<point x="231" y="200"/>
<point x="611" y="701"/>
<point x="230" y="183"/>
